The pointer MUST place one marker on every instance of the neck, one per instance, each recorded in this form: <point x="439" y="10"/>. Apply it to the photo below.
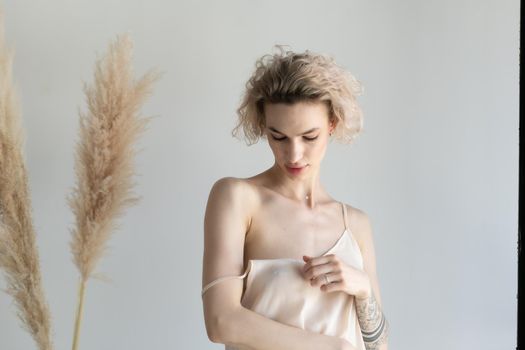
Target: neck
<point x="305" y="190"/>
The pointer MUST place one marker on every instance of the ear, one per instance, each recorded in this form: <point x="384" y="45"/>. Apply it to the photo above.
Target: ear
<point x="332" y="125"/>
<point x="262" y="127"/>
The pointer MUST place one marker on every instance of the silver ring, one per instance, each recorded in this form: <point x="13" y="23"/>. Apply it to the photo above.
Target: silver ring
<point x="326" y="279"/>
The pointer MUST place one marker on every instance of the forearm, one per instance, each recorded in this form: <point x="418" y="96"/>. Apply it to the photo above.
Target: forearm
<point x="247" y="329"/>
<point x="374" y="325"/>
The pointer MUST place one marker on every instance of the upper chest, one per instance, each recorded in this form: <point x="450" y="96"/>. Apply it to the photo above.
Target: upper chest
<point x="280" y="229"/>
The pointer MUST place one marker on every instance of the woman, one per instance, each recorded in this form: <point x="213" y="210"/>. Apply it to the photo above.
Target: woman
<point x="305" y="285"/>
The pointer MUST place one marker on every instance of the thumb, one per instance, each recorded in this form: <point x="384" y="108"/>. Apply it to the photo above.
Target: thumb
<point x="306" y="258"/>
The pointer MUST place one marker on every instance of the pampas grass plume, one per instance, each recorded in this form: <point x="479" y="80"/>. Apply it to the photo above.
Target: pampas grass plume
<point x="104" y="157"/>
<point x="19" y="256"/>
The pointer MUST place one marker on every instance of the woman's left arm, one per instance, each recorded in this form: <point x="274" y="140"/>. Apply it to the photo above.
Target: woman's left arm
<point x="374" y="325"/>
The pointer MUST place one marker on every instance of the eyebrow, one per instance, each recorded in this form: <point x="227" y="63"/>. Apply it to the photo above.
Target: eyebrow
<point x="304" y="133"/>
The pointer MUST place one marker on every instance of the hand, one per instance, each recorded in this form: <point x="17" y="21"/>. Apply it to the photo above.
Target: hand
<point x="342" y="277"/>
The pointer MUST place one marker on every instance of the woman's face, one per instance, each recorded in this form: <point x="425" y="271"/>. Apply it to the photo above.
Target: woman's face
<point x="298" y="135"/>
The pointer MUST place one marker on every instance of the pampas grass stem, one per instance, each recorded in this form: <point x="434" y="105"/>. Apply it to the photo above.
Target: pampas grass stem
<point x="80" y="309"/>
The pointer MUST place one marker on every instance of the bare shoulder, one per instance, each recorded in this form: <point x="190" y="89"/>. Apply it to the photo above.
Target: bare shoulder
<point x="231" y="185"/>
<point x="360" y="225"/>
<point x="232" y="189"/>
<point x="233" y="197"/>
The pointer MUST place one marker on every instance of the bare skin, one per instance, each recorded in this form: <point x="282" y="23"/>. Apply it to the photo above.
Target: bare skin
<point x="251" y="219"/>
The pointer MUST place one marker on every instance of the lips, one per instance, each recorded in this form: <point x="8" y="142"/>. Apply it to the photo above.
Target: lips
<point x="295" y="169"/>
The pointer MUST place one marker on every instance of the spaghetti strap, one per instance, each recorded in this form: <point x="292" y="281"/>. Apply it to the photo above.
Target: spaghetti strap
<point x="345" y="216"/>
<point x="220" y="279"/>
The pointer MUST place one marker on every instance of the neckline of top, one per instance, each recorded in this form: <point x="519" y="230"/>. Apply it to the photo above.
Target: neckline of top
<point x="345" y="232"/>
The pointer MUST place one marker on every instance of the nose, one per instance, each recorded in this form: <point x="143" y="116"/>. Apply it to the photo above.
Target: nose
<point x="294" y="152"/>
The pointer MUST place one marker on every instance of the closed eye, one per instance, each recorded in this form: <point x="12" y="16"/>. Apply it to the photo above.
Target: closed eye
<point x="278" y="138"/>
<point x="306" y="138"/>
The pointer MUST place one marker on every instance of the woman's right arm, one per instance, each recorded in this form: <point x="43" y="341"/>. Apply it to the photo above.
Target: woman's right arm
<point x="226" y="222"/>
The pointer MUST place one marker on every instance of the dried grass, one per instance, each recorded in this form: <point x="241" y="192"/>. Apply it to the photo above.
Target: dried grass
<point x="104" y="157"/>
<point x="19" y="256"/>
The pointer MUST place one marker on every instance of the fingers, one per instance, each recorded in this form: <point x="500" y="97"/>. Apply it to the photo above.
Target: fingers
<point x="315" y="271"/>
<point x="318" y="270"/>
<point x="323" y="281"/>
<point x="310" y="261"/>
<point x="333" y="286"/>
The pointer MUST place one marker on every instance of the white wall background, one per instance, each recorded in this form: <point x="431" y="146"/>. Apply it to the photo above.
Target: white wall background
<point x="435" y="168"/>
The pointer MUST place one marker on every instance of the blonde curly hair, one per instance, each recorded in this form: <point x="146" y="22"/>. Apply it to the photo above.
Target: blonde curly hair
<point x="290" y="77"/>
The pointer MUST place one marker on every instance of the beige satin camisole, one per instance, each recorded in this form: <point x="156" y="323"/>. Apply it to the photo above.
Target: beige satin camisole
<point x="276" y="289"/>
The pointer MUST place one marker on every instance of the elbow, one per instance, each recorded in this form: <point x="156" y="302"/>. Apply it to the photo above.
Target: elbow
<point x="212" y="329"/>
<point x="220" y="327"/>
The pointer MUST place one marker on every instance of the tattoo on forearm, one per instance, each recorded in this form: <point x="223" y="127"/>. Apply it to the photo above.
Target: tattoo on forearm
<point x="374" y="325"/>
